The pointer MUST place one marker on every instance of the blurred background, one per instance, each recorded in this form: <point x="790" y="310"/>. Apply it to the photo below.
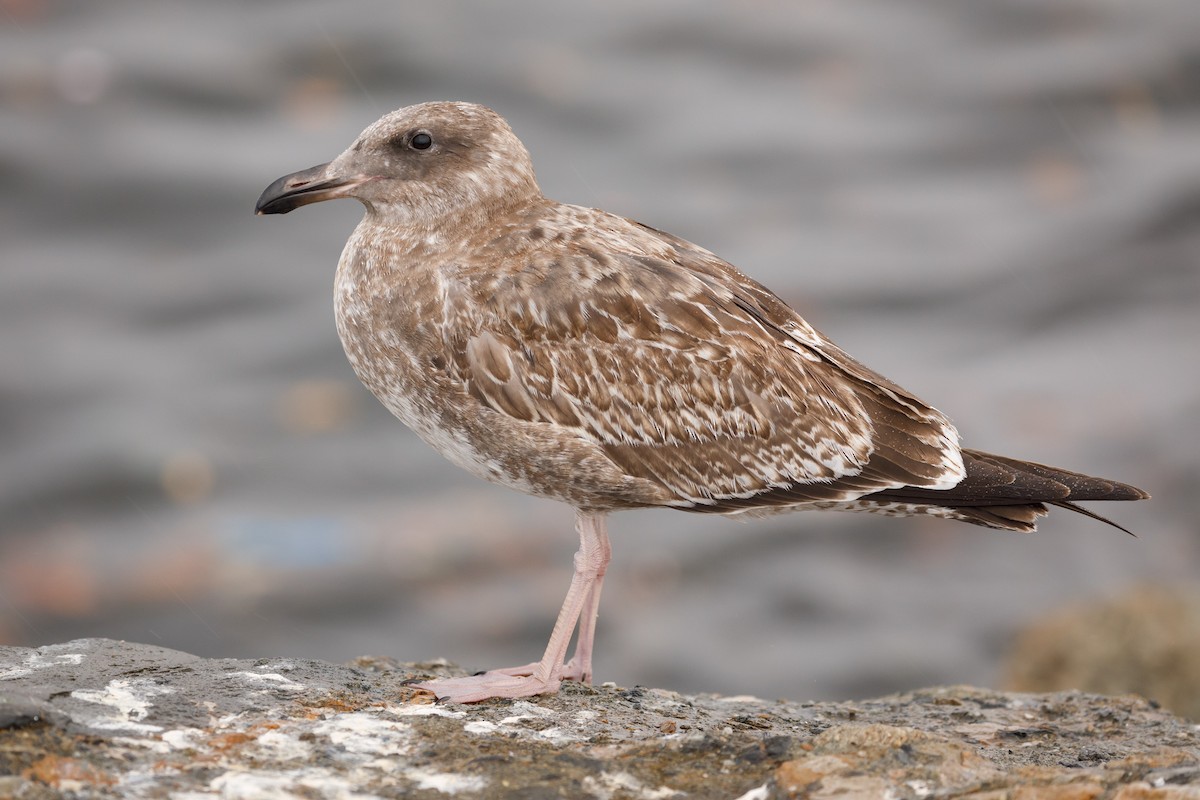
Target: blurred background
<point x="997" y="205"/>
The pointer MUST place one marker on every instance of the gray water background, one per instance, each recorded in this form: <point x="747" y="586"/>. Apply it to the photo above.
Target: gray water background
<point x="995" y="204"/>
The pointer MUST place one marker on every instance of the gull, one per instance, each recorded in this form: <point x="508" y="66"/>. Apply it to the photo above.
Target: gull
<point x="573" y="354"/>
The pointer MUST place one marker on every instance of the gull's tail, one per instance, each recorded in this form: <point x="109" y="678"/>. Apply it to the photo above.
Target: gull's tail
<point x="1010" y="494"/>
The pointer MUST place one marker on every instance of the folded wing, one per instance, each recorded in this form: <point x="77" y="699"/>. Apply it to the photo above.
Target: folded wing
<point x="687" y="373"/>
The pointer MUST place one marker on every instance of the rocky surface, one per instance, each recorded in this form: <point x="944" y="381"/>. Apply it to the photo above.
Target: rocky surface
<point x="100" y="718"/>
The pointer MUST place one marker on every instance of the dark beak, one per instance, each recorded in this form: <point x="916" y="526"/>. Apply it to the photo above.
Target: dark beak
<point x="301" y="188"/>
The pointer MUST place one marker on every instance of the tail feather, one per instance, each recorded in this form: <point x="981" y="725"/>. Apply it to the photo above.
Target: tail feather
<point x="1007" y="493"/>
<point x="1067" y="504"/>
<point x="1021" y="517"/>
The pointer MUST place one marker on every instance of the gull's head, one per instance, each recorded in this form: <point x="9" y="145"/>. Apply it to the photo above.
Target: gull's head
<point x="419" y="165"/>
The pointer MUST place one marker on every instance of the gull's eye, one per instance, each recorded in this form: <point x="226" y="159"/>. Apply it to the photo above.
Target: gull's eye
<point x="421" y="141"/>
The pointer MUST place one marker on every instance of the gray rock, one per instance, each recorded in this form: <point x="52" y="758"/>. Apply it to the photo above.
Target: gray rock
<point x="99" y="718"/>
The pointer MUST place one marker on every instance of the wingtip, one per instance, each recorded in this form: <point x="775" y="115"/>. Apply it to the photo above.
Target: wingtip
<point x="1123" y="491"/>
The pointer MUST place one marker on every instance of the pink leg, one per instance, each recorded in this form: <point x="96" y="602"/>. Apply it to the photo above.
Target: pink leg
<point x="545" y="676"/>
<point x="579" y="668"/>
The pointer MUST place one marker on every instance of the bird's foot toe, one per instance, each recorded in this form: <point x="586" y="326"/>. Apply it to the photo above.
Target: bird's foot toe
<point x="488" y="685"/>
<point x="573" y="670"/>
<point x="522" y="671"/>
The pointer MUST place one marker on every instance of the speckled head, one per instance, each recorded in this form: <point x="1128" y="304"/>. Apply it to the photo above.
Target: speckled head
<point x="420" y="165"/>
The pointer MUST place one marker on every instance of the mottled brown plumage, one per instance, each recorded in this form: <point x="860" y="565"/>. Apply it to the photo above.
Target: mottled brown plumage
<point x="577" y="355"/>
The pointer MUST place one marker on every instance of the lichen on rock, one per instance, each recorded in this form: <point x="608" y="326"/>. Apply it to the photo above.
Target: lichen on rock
<point x="98" y="718"/>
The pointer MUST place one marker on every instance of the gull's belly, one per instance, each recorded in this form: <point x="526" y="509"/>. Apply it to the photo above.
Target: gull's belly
<point x="420" y="399"/>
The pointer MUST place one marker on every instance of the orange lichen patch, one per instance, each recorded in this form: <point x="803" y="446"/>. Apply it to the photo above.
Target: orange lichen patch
<point x="796" y="776"/>
<point x="346" y="702"/>
<point x="222" y="743"/>
<point x="1160" y="758"/>
<point x="411" y="694"/>
<point x="56" y="771"/>
<point x="339" y="702"/>
<point x="863" y="760"/>
<point x="226" y="741"/>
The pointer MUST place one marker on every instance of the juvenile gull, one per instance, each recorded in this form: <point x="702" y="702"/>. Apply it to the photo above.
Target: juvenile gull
<point x="577" y="355"/>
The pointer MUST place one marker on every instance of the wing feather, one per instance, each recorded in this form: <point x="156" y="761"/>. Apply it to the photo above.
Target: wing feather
<point x="686" y="372"/>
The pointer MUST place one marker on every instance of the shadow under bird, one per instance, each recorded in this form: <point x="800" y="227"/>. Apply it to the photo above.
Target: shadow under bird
<point x="573" y="354"/>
